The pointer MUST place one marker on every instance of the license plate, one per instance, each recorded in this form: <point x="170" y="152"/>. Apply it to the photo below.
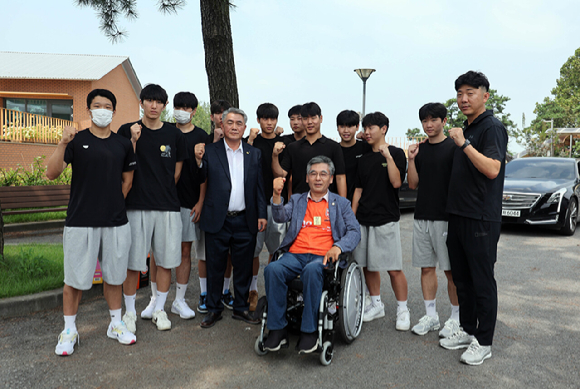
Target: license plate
<point x="511" y="212"/>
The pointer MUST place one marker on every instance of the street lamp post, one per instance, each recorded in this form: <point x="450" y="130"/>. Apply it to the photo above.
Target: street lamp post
<point x="364" y="74"/>
<point x="551" y="121"/>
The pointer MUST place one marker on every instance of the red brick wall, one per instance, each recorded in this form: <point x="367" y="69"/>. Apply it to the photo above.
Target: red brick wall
<point x="12" y="154"/>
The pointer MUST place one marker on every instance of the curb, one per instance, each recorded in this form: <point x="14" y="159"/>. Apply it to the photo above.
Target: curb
<point x="50" y="299"/>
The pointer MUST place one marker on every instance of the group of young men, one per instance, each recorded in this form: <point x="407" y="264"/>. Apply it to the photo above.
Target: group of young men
<point x="151" y="184"/>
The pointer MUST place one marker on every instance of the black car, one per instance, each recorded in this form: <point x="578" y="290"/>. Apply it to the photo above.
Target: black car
<point x="542" y="191"/>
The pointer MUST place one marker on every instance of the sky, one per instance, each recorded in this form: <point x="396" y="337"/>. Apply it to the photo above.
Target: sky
<point x="290" y="52"/>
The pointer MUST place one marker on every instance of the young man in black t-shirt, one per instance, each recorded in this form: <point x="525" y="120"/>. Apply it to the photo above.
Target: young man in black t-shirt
<point x="430" y="170"/>
<point x="153" y="206"/>
<point x="298" y="130"/>
<point x="264" y="139"/>
<point x="96" y="225"/>
<point x="376" y="206"/>
<point x="191" y="194"/>
<point x="347" y="123"/>
<point x="299" y="153"/>
<point x="474" y="207"/>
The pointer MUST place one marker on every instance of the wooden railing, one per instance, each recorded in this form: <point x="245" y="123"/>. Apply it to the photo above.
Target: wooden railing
<point x="16" y="126"/>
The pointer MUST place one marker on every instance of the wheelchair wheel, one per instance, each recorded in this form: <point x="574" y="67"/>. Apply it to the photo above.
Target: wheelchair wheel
<point x="326" y="354"/>
<point x="351" y="303"/>
<point x="259" y="347"/>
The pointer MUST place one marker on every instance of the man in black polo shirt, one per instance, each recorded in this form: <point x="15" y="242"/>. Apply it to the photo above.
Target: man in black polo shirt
<point x="300" y="152"/>
<point x="474" y="207"/>
<point x="298" y="130"/>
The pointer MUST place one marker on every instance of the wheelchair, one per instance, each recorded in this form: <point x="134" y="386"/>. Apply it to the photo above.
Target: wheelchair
<point x="341" y="307"/>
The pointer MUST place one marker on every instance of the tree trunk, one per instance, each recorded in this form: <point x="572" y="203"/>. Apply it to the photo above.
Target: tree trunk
<point x="1" y="232"/>
<point x="219" y="51"/>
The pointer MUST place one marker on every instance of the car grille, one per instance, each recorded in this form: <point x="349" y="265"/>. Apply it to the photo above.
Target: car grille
<point x="513" y="200"/>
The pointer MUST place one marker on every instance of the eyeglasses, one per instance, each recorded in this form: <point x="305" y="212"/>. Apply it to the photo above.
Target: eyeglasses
<point x="323" y="174"/>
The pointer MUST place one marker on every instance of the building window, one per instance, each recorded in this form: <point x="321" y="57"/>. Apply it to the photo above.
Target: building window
<point x="62" y="109"/>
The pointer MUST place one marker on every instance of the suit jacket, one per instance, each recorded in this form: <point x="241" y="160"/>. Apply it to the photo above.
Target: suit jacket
<point x="216" y="171"/>
<point x="345" y="228"/>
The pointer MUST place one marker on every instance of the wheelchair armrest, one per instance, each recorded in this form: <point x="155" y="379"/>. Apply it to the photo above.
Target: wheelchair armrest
<point x="277" y="254"/>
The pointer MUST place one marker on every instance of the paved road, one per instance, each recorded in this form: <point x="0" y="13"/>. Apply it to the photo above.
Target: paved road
<point x="536" y="341"/>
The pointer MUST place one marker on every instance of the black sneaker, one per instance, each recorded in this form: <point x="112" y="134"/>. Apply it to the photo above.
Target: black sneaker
<point x="276" y="340"/>
<point x="201" y="307"/>
<point x="308" y="343"/>
<point x="228" y="300"/>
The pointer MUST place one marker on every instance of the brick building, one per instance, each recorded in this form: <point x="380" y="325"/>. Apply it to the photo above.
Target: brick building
<point x="56" y="85"/>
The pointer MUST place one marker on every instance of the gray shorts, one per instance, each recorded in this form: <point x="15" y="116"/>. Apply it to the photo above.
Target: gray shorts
<point x="380" y="248"/>
<point x="429" y="244"/>
<point x="273" y="236"/>
<point x="82" y="247"/>
<point x="158" y="232"/>
<point x="189" y="229"/>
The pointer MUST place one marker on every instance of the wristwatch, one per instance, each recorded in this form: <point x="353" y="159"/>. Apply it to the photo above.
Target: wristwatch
<point x="467" y="143"/>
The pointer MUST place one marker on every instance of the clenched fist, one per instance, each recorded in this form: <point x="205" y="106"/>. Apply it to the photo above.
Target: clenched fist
<point x="199" y="151"/>
<point x="135" y="132"/>
<point x="384" y="149"/>
<point x="278" y="147"/>
<point x="253" y="135"/>
<point x="456" y="134"/>
<point x="413" y="151"/>
<point x="68" y="134"/>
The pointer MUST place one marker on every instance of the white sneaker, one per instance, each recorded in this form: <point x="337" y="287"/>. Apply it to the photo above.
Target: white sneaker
<point x="373" y="312"/>
<point x="476" y="354"/>
<point x="451" y="327"/>
<point x="180" y="307"/>
<point x="460" y="339"/>
<point x="403" y="320"/>
<point x="147" y="313"/>
<point x="426" y="323"/>
<point x="161" y="320"/>
<point x="130" y="320"/>
<point x="121" y="333"/>
<point x="66" y="342"/>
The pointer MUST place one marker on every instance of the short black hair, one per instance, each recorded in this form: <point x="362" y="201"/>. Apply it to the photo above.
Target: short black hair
<point x="310" y="109"/>
<point x="433" y="110"/>
<point x="185" y="100"/>
<point x="474" y="79"/>
<point x="219" y="106"/>
<point x="153" y="92"/>
<point x="103" y="93"/>
<point x="267" y="111"/>
<point x="348" y="118"/>
<point x="375" y="119"/>
<point x="295" y="110"/>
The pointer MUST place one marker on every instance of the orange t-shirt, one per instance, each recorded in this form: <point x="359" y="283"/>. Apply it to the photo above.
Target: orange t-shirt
<point x="315" y="236"/>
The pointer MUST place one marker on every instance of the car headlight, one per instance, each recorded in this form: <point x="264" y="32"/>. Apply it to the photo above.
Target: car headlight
<point x="556" y="196"/>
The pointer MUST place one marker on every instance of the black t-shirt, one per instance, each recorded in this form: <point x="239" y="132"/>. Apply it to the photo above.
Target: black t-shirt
<point x="379" y="202"/>
<point x="157" y="153"/>
<point x="433" y="163"/>
<point x="188" y="184"/>
<point x="287" y="139"/>
<point x="471" y="194"/>
<point x="96" y="194"/>
<point x="351" y="156"/>
<point x="299" y="153"/>
<point x="267" y="146"/>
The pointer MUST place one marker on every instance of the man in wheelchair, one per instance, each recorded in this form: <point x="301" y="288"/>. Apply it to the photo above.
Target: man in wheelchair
<point x="322" y="226"/>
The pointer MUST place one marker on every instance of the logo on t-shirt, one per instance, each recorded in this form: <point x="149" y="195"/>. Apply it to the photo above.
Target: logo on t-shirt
<point x="85" y="146"/>
<point x="165" y="151"/>
<point x="384" y="164"/>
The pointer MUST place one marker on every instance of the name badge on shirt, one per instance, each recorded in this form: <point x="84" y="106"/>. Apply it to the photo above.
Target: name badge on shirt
<point x="317" y="220"/>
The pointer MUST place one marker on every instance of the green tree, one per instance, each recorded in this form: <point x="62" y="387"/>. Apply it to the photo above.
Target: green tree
<point x="200" y="119"/>
<point x="216" y="30"/>
<point x="563" y="107"/>
<point x="413" y="133"/>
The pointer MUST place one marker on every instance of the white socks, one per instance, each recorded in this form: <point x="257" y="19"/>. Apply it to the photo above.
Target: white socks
<point x="401" y="306"/>
<point x="154" y="289"/>
<point x="70" y="323"/>
<point x="130" y="303"/>
<point x="254" y="284"/>
<point x="376" y="300"/>
<point x="226" y="285"/>
<point x="180" y="291"/>
<point x="203" y="285"/>
<point x="160" y="301"/>
<point x="115" y="315"/>
<point x="431" y="308"/>
<point x="455" y="312"/>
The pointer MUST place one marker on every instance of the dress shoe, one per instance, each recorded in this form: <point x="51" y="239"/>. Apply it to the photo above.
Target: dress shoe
<point x="253" y="300"/>
<point x="210" y="319"/>
<point x="245" y="316"/>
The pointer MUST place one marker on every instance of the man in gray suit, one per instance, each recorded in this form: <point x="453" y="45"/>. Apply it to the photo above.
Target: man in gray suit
<point x="322" y="225"/>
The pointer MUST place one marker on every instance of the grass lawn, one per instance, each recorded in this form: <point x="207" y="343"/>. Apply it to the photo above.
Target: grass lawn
<point x="34" y="217"/>
<point x="31" y="268"/>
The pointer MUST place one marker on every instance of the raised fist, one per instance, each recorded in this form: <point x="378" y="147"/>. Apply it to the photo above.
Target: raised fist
<point x="278" y="147"/>
<point x="199" y="151"/>
<point x="384" y="149"/>
<point x="135" y="132"/>
<point x="413" y="151"/>
<point x="68" y="134"/>
<point x="278" y="185"/>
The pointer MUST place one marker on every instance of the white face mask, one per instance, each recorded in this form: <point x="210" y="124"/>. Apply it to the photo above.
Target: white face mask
<point x="102" y="117"/>
<point x="182" y="117"/>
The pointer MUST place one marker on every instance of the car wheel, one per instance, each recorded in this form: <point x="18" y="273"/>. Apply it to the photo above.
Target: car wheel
<point x="571" y="219"/>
